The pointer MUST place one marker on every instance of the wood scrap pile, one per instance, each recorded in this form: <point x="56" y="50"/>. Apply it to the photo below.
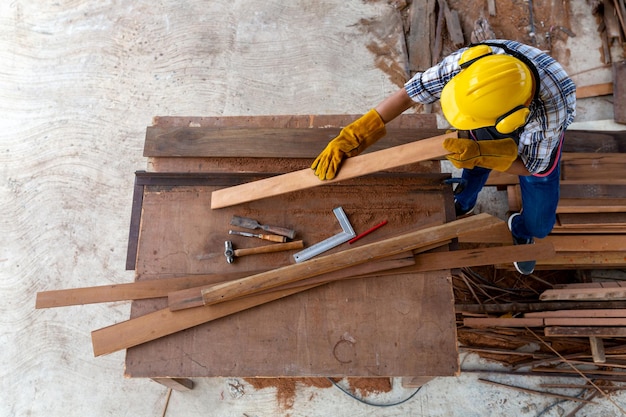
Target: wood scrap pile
<point x="543" y="326"/>
<point x="611" y="15"/>
<point x="591" y="216"/>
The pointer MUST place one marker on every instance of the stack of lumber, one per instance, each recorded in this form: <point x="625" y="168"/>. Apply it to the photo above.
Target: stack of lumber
<point x="563" y="330"/>
<point x="591" y="216"/>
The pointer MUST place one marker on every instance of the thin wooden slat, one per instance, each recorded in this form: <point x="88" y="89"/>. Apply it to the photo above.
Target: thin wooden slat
<point x="619" y="93"/>
<point x="595" y="90"/>
<point x="316" y="266"/>
<point x="357" y="166"/>
<point x="483" y="256"/>
<point x="129" y="291"/>
<point x="584" y="294"/>
<point x="479" y="322"/>
<point x="606" y="312"/>
<point x="591" y="205"/>
<point x="607" y="332"/>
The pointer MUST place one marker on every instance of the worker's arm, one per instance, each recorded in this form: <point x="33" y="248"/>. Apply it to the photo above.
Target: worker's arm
<point x="394" y="105"/>
<point x="360" y="134"/>
<point x="518" y="168"/>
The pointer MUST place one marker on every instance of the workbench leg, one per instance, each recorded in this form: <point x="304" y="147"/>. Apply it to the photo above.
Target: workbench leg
<point x="178" y="384"/>
<point x="415" y="381"/>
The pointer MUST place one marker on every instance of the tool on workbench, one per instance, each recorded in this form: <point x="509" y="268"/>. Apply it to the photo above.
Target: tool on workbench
<point x="333" y="241"/>
<point x="271" y="238"/>
<point x="230" y="252"/>
<point x="248" y="223"/>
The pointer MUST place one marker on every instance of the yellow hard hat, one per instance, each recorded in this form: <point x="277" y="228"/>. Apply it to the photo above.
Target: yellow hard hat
<point x="490" y="90"/>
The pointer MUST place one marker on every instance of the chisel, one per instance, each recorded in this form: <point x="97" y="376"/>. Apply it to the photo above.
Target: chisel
<point x="248" y="223"/>
<point x="271" y="238"/>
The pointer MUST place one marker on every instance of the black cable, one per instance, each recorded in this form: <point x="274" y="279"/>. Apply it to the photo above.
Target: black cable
<point x="345" y="391"/>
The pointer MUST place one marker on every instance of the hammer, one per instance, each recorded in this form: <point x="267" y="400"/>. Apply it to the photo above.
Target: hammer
<point x="230" y="253"/>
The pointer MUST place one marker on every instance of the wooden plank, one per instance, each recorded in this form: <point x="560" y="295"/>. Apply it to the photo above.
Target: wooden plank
<point x="177" y="384"/>
<point x="129" y="291"/>
<point x="584" y="294"/>
<point x="421" y="31"/>
<point x="595" y="90"/>
<point x="404" y="121"/>
<point x="584" y="260"/>
<point x="604" y="312"/>
<point x="582" y="165"/>
<point x="483" y="256"/>
<point x="316" y="266"/>
<point x="597" y="349"/>
<point x="480" y="322"/>
<point x="606" y="332"/>
<point x="592" y="220"/>
<point x="586" y="243"/>
<point x="585" y="321"/>
<point x="591" y="205"/>
<point x="619" y="91"/>
<point x="357" y="166"/>
<point x="192" y="297"/>
<point x="165" y="322"/>
<point x="242" y="142"/>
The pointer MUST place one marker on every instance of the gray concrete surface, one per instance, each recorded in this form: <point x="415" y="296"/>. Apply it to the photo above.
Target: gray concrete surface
<point x="80" y="81"/>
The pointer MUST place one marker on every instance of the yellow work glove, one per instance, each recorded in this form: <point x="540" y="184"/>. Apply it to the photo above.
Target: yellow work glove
<point x="494" y="154"/>
<point x="351" y="141"/>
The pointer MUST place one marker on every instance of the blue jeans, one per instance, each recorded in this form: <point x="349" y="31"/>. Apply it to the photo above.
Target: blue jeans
<point x="540" y="197"/>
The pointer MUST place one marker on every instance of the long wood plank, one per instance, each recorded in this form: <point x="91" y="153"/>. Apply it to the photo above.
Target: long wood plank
<point x="192" y="297"/>
<point x="604" y="312"/>
<point x="610" y="293"/>
<point x="164" y="322"/>
<point x="573" y="331"/>
<point x="422" y="150"/>
<point x="316" y="266"/>
<point x="479" y="322"/>
<point x="128" y="291"/>
<point x="257" y="142"/>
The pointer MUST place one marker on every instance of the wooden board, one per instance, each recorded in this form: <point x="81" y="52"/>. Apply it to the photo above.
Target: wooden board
<point x="309" y="333"/>
<point x="619" y="91"/>
<point x="386" y="159"/>
<point x="266" y="142"/>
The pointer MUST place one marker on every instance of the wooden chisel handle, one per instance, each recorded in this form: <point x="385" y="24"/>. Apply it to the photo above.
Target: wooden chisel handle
<point x="272" y="238"/>
<point x="298" y="244"/>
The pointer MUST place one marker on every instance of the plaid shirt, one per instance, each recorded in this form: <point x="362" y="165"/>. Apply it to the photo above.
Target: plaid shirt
<point x="549" y="116"/>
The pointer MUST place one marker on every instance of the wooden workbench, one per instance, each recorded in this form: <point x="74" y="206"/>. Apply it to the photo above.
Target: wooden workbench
<point x="400" y="323"/>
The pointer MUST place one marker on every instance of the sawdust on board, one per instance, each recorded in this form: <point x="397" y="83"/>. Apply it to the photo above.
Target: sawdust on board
<point x="286" y="387"/>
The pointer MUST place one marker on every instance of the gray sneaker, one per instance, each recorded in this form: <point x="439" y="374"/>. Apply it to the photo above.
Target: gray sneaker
<point x="523" y="267"/>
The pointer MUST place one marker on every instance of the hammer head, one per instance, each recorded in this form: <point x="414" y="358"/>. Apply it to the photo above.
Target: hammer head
<point x="229" y="252"/>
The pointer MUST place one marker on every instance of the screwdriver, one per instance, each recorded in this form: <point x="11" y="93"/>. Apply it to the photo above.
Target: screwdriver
<point x="272" y="238"/>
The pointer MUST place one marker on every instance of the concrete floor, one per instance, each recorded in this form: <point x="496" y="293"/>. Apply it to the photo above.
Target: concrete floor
<point x="79" y="83"/>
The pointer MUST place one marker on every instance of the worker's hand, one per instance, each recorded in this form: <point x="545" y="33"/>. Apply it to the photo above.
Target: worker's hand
<point x="494" y="154"/>
<point x="351" y="141"/>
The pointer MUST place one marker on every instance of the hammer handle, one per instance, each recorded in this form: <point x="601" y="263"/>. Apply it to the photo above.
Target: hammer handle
<point x="298" y="244"/>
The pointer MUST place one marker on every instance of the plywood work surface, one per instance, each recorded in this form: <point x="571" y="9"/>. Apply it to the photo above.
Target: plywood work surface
<point x="393" y="325"/>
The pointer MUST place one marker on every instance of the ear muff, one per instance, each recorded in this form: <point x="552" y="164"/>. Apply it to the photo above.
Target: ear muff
<point x="512" y="120"/>
<point x="473" y="54"/>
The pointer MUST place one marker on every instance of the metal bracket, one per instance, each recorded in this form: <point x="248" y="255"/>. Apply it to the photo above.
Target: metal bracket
<point x="333" y="241"/>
